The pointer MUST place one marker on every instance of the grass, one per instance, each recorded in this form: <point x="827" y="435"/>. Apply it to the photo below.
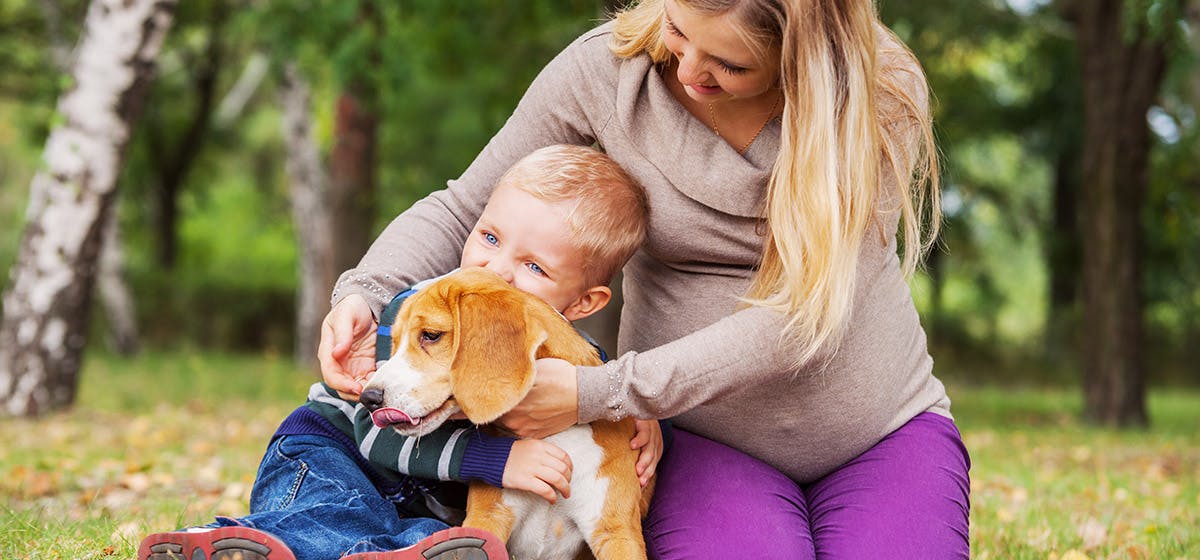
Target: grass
<point x="169" y="440"/>
<point x="1045" y="486"/>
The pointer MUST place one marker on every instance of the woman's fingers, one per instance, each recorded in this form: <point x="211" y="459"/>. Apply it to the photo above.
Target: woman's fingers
<point x="640" y="439"/>
<point x="347" y="346"/>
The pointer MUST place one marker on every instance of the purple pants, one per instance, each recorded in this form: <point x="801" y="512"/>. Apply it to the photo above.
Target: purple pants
<point x="906" y="497"/>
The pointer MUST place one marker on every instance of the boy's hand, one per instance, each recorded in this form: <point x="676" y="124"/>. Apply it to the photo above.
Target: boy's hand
<point x="347" y="348"/>
<point x="648" y="438"/>
<point x="539" y="467"/>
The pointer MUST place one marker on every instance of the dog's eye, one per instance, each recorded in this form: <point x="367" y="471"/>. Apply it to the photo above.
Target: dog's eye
<point x="430" y="336"/>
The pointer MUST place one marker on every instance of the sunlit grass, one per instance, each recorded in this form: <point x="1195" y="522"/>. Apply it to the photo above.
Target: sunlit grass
<point x="1043" y="484"/>
<point x="169" y="440"/>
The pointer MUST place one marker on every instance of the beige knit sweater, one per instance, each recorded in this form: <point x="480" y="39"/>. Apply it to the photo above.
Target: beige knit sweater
<point x="685" y="351"/>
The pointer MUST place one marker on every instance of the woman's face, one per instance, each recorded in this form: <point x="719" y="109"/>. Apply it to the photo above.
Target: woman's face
<point x="713" y="62"/>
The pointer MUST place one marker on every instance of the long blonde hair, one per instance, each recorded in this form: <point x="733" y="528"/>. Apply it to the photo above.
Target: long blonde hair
<point x="851" y="119"/>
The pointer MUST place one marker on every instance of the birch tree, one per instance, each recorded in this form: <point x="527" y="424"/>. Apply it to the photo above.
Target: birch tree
<point x="43" y="328"/>
<point x="309" y="187"/>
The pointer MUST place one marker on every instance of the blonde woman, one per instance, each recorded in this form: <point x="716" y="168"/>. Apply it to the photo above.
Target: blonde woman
<point x="783" y="145"/>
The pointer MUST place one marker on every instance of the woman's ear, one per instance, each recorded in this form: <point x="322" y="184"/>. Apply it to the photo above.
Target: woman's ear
<point x="592" y="300"/>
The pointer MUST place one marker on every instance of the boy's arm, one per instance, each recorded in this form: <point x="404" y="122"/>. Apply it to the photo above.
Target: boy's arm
<point x="459" y="451"/>
<point x="455" y="451"/>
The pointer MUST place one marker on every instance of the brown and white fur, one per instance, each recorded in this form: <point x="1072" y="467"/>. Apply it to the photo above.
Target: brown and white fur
<point x="467" y="342"/>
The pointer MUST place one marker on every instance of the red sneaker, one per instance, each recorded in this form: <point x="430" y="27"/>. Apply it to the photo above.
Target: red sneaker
<point x="455" y="543"/>
<point x="219" y="543"/>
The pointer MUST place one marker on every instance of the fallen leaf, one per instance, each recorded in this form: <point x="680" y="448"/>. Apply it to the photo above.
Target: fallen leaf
<point x="138" y="481"/>
<point x="1136" y="552"/>
<point x="1093" y="533"/>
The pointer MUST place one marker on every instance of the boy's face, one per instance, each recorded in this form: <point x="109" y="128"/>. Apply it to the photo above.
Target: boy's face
<point x="527" y="242"/>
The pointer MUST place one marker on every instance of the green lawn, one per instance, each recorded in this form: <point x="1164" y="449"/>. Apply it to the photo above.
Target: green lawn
<point x="169" y="440"/>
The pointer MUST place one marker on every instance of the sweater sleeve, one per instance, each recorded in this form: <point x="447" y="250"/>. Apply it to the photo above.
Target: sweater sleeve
<point x="741" y="349"/>
<point x="426" y="240"/>
<point x="454" y="451"/>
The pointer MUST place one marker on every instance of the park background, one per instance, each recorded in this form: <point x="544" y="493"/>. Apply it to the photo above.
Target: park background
<point x="268" y="142"/>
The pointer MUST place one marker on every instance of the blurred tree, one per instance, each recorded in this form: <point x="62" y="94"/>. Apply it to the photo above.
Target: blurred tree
<point x="172" y="159"/>
<point x="404" y="76"/>
<point x="1123" y="49"/>
<point x="116" y="300"/>
<point x="309" y="188"/>
<point x="42" y="332"/>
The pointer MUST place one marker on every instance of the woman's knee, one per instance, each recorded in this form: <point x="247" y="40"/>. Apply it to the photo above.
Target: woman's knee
<point x="906" y="497"/>
<point x="715" y="502"/>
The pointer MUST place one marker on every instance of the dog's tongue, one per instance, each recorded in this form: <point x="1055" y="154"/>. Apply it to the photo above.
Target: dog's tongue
<point x="385" y="417"/>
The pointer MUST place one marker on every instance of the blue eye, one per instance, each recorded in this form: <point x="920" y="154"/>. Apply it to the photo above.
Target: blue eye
<point x="491" y="239"/>
<point x="536" y="269"/>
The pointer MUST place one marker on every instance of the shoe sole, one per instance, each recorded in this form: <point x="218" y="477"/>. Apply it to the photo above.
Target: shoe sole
<point x="455" y="543"/>
<point x="222" y="543"/>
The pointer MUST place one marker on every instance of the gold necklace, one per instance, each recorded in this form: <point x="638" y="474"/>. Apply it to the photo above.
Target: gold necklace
<point x="712" y="113"/>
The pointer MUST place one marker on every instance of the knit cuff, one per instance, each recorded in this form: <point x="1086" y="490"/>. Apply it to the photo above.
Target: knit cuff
<point x="485" y="457"/>
<point x="599" y="390"/>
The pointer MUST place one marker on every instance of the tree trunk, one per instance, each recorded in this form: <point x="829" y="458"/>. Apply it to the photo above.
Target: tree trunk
<point x="1121" y="79"/>
<point x="352" y="178"/>
<point x="173" y="166"/>
<point x="115" y="296"/>
<point x="310" y="213"/>
<point x="1062" y="259"/>
<point x="114" y="293"/>
<point x="44" y="325"/>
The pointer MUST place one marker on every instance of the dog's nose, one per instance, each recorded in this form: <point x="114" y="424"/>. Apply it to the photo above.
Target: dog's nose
<point x="372" y="399"/>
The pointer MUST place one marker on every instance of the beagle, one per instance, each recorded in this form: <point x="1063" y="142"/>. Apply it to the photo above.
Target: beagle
<point x="467" y="342"/>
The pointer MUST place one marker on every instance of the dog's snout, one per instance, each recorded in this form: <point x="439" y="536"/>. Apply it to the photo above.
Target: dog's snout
<point x="372" y="399"/>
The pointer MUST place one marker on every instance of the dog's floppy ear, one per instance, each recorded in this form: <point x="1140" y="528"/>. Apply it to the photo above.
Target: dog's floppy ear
<point x="493" y="365"/>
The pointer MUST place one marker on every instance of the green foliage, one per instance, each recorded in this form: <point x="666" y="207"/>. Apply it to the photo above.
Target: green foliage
<point x="442" y="78"/>
<point x="431" y="73"/>
<point x="1153" y="19"/>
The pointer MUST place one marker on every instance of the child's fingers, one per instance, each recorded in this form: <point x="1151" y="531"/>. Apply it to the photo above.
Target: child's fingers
<point x="543" y="489"/>
<point x="558" y="459"/>
<point x="558" y="482"/>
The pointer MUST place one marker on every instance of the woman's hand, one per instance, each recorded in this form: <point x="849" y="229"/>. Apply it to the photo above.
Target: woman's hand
<point x="551" y="406"/>
<point x="649" y="439"/>
<point x="347" y="348"/>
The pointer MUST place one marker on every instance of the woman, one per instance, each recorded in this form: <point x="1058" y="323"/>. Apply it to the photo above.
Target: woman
<point x="782" y="144"/>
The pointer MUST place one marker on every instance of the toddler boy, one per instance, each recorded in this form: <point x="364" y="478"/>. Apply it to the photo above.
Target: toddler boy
<point x="560" y="223"/>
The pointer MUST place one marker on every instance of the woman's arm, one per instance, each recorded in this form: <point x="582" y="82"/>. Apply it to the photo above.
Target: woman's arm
<point x="741" y="349"/>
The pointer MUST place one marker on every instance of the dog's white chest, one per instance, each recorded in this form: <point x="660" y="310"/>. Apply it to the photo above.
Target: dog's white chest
<point x="550" y="532"/>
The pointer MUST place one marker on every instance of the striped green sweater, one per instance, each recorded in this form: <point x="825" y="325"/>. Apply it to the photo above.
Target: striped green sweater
<point x="456" y="451"/>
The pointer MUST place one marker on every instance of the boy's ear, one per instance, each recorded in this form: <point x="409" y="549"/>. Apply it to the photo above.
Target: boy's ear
<point x="592" y="300"/>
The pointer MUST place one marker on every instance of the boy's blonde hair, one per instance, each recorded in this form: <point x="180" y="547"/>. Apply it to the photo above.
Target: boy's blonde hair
<point x="607" y="208"/>
<point x="856" y="144"/>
